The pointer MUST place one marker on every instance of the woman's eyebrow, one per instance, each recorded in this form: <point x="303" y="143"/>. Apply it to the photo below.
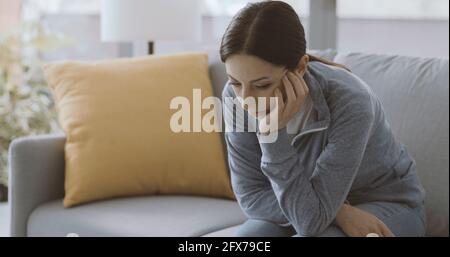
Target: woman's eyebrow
<point x="255" y="80"/>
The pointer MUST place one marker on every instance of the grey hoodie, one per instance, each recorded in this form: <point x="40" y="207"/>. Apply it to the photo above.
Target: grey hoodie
<point x="345" y="151"/>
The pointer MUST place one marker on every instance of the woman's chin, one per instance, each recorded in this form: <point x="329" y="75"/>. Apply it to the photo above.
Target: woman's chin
<point x="257" y="115"/>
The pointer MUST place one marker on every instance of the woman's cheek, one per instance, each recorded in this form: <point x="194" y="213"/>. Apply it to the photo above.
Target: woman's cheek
<point x="272" y="106"/>
<point x="248" y="105"/>
<point x="269" y="106"/>
<point x="254" y="108"/>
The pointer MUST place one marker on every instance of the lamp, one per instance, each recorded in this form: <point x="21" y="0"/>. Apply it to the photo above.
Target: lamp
<point x="150" y="20"/>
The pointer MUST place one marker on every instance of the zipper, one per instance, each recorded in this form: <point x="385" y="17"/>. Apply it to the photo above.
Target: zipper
<point x="296" y="138"/>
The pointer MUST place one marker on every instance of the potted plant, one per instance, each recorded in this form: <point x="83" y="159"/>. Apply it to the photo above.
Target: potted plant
<point x="26" y="103"/>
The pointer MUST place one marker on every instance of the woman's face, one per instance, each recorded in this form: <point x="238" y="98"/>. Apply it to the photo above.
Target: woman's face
<point x="251" y="76"/>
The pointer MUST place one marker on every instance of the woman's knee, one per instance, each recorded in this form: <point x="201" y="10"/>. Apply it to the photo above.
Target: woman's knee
<point x="263" y="228"/>
<point x="401" y="219"/>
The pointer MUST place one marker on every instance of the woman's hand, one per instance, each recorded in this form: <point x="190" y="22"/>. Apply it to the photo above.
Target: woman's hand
<point x="358" y="223"/>
<point x="296" y="92"/>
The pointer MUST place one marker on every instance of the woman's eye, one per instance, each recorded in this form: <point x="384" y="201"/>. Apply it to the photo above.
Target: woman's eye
<point x="235" y="84"/>
<point x="264" y="86"/>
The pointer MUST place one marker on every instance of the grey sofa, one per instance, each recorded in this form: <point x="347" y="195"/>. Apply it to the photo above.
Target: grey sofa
<point x="415" y="95"/>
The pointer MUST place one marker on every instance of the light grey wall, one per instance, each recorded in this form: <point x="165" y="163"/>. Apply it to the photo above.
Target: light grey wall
<point x="427" y="38"/>
<point x="406" y="37"/>
<point x="84" y="32"/>
<point x="323" y="27"/>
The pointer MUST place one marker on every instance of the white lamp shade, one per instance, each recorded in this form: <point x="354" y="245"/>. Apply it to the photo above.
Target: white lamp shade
<point x="150" y="20"/>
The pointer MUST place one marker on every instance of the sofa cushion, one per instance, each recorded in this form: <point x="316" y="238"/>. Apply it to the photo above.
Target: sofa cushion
<point x="165" y="215"/>
<point x="415" y="95"/>
<point x="117" y="116"/>
<point x="226" y="232"/>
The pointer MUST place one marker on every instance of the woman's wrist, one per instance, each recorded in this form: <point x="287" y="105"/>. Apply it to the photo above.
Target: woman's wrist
<point x="343" y="214"/>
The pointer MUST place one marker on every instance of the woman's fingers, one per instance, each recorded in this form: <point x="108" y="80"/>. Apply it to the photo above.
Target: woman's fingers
<point x="290" y="94"/>
<point x="305" y="86"/>
<point x="297" y="83"/>
<point x="279" y="95"/>
<point x="303" y="83"/>
<point x="379" y="228"/>
<point x="385" y="231"/>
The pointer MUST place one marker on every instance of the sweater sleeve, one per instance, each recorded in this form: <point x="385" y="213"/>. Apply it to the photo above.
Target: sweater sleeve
<point x="311" y="203"/>
<point x="251" y="187"/>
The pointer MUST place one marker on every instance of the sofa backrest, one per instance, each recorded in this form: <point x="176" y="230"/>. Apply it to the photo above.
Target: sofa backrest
<point x="415" y="96"/>
<point x="217" y="73"/>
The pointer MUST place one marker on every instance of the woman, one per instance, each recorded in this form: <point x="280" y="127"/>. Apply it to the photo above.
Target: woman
<point x="335" y="168"/>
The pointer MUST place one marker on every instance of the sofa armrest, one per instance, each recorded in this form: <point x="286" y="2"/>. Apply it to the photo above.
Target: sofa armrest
<point x="36" y="176"/>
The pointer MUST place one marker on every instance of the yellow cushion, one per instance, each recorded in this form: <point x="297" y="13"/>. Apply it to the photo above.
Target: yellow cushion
<point x="115" y="114"/>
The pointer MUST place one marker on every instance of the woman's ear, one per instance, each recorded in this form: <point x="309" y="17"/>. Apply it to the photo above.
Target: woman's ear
<point x="302" y="65"/>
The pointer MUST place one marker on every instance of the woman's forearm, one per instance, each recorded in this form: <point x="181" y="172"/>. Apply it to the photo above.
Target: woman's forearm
<point x="310" y="201"/>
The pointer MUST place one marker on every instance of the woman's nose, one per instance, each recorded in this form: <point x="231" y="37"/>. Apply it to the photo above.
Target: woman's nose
<point x="245" y="92"/>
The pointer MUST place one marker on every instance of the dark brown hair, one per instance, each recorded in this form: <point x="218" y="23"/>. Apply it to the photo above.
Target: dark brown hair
<point x="270" y="30"/>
